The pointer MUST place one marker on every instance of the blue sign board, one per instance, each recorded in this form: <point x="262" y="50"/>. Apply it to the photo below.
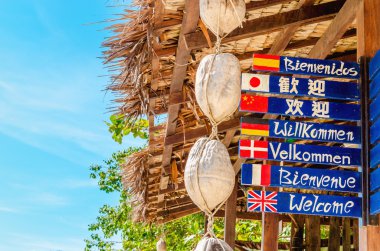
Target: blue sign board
<point x="375" y="132"/>
<point x="312" y="204"/>
<point x="306" y="66"/>
<point x="374" y="66"/>
<point x="301" y="130"/>
<point x="303" y="178"/>
<point x="299" y="86"/>
<point x="374" y="87"/>
<point x="375" y="156"/>
<point x="374" y="203"/>
<point x="374" y="109"/>
<point x="374" y="183"/>
<point x="299" y="107"/>
<point x="328" y="155"/>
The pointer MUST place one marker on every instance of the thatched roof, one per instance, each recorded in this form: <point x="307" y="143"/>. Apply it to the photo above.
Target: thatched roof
<point x="153" y="57"/>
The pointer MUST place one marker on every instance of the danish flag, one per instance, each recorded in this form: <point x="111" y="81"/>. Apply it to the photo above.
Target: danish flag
<point x="253" y="149"/>
<point x="262" y="201"/>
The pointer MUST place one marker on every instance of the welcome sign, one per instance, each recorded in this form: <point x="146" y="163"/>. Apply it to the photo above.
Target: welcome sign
<point x="319" y="88"/>
<point x="300" y="130"/>
<point x="328" y="155"/>
<point x="299" y="107"/>
<point x="303" y="178"/>
<point x="312" y="204"/>
<point x="325" y="102"/>
<point x="306" y="66"/>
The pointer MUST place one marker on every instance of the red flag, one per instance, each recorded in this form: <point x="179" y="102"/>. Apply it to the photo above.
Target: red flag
<point x="253" y="149"/>
<point x="253" y="103"/>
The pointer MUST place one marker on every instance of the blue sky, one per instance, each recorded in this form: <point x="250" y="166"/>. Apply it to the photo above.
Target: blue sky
<point x="51" y="121"/>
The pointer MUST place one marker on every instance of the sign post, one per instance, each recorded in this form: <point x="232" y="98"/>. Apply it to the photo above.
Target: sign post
<point x="334" y="110"/>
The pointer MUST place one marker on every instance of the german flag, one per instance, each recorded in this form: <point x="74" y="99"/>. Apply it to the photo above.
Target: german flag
<point x="254" y="127"/>
<point x="263" y="62"/>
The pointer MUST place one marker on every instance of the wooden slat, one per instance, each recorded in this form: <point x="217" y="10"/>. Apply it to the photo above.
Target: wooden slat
<point x="270" y="231"/>
<point x="346" y="236"/>
<point x="230" y="217"/>
<point x="199" y="132"/>
<point x="313" y="233"/>
<point x="283" y="38"/>
<point x="368" y="27"/>
<point x="298" y="222"/>
<point x="251" y="6"/>
<point x="304" y="15"/>
<point x="336" y="29"/>
<point x="189" y="24"/>
<point x="334" y="234"/>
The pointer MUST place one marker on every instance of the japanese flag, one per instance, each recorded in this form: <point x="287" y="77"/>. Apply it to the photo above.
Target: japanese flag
<point x="255" y="82"/>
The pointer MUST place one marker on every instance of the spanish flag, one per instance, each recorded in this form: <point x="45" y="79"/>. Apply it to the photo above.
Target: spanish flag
<point x="254" y="127"/>
<point x="263" y="62"/>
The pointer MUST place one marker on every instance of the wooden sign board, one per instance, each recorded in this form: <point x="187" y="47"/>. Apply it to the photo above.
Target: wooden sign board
<point x="299" y="108"/>
<point x="301" y="130"/>
<point x="306" y="66"/>
<point x="327" y="155"/>
<point x="303" y="178"/>
<point x="311" y="204"/>
<point x="299" y="86"/>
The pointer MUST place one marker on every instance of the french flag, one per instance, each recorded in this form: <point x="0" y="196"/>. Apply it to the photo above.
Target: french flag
<point x="255" y="175"/>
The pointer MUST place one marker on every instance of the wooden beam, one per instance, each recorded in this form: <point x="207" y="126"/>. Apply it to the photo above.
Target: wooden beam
<point x="368" y="19"/>
<point x="336" y="29"/>
<point x="251" y="6"/>
<point x="313" y="233"/>
<point x="368" y="27"/>
<point x="334" y="234"/>
<point x="255" y="27"/>
<point x="346" y="236"/>
<point x="283" y="38"/>
<point x="298" y="222"/>
<point x="270" y="231"/>
<point x="230" y="217"/>
<point x="189" y="24"/>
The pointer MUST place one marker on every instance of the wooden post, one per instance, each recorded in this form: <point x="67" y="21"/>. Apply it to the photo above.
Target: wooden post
<point x="334" y="234"/>
<point x="368" y="32"/>
<point x="346" y="236"/>
<point x="313" y="233"/>
<point x="297" y="232"/>
<point x="230" y="217"/>
<point x="269" y="239"/>
<point x="355" y="233"/>
<point x="369" y="238"/>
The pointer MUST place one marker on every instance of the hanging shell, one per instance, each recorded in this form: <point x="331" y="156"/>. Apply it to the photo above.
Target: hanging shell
<point x="212" y="244"/>
<point x="226" y="15"/>
<point x="217" y="85"/>
<point x="209" y="174"/>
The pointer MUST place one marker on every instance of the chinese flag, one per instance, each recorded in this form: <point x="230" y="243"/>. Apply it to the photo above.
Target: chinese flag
<point x="251" y="103"/>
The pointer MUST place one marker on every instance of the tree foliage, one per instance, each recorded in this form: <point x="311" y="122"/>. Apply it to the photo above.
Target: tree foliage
<point x="120" y="126"/>
<point x="114" y="228"/>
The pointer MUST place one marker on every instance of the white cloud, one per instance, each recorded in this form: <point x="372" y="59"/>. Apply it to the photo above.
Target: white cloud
<point x="49" y="199"/>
